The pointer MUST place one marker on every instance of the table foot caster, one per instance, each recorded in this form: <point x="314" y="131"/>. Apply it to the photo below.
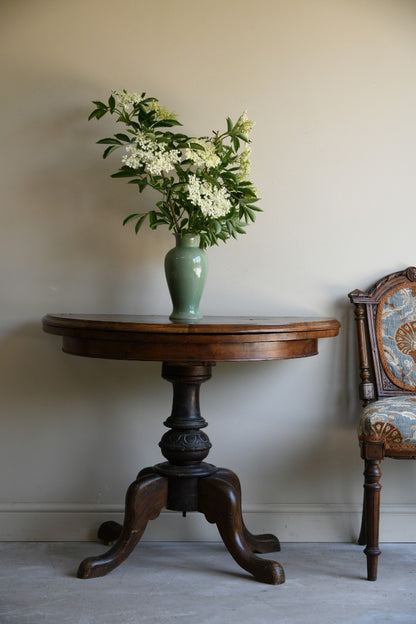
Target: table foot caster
<point x="145" y="499"/>
<point x="220" y="502"/>
<point x="109" y="532"/>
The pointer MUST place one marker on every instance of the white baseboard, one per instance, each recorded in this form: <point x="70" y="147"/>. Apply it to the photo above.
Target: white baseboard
<point x="291" y="523"/>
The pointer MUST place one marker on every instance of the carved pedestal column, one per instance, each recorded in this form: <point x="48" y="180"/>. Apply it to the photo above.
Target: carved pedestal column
<point x="185" y="446"/>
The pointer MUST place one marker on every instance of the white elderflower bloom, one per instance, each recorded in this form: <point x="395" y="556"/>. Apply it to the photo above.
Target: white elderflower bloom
<point x="144" y="141"/>
<point x="133" y="158"/>
<point x="155" y="157"/>
<point x="126" y="99"/>
<point x="244" y="125"/>
<point x="213" y="201"/>
<point x="161" y="161"/>
<point x="245" y="164"/>
<point x="161" y="112"/>
<point x="206" y="157"/>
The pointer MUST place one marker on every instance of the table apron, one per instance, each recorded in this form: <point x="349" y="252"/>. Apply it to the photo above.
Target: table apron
<point x="233" y="349"/>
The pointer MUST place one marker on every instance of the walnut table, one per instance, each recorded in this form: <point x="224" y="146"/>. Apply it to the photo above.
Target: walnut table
<point x="185" y="482"/>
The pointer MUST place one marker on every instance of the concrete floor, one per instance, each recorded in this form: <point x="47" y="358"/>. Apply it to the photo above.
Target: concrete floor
<point x="199" y="583"/>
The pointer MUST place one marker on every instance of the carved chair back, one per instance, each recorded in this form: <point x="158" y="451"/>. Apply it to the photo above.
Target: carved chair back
<point x="386" y="324"/>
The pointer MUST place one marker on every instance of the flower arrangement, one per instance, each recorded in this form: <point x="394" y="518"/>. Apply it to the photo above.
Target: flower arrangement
<point x="203" y="180"/>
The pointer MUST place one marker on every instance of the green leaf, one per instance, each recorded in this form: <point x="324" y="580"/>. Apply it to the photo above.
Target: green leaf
<point x="125" y="172"/>
<point x="139" y="223"/>
<point x="196" y="146"/>
<point x="216" y="226"/>
<point x="109" y="149"/>
<point x="152" y="219"/>
<point x="229" y="124"/>
<point x="147" y="100"/>
<point x="111" y="103"/>
<point x="178" y="186"/>
<point x="141" y="183"/>
<point x="166" y="123"/>
<point x="180" y="138"/>
<point x="242" y="136"/>
<point x="240" y="230"/>
<point x="132" y="217"/>
<point x="109" y="142"/>
<point x="122" y="137"/>
<point x="227" y="175"/>
<point x="236" y="143"/>
<point x="98" y="113"/>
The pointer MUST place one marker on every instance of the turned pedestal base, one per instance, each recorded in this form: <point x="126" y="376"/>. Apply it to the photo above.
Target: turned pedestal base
<point x="186" y="483"/>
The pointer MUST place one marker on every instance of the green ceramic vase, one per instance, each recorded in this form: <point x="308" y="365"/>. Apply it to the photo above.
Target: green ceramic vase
<point x="186" y="271"/>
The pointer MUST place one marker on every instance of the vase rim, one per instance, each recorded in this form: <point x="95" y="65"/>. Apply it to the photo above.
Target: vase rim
<point x="188" y="236"/>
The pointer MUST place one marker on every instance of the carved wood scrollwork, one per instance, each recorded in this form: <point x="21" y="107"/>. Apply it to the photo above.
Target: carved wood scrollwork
<point x="411" y="274"/>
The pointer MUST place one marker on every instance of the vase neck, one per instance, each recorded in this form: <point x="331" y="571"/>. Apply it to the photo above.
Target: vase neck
<point x="187" y="240"/>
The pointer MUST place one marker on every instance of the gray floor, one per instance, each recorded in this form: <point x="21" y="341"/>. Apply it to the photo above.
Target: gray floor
<point x="199" y="583"/>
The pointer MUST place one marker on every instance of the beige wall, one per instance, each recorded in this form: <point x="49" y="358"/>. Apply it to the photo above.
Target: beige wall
<point x="331" y="85"/>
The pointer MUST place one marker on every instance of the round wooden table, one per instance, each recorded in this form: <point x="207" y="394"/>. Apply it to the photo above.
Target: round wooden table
<point x="185" y="482"/>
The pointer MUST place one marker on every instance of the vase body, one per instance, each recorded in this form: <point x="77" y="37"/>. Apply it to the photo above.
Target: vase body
<point x="186" y="271"/>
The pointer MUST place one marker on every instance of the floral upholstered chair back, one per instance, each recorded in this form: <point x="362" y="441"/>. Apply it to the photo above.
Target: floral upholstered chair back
<point x="396" y="335"/>
<point x="386" y="323"/>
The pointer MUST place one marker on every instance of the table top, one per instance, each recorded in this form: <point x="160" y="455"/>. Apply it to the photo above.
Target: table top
<point x="212" y="339"/>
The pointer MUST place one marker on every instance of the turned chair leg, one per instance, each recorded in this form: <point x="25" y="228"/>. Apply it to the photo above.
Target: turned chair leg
<point x="371" y="515"/>
<point x="362" y="538"/>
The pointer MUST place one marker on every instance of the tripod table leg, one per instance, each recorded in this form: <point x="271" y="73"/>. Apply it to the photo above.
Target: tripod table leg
<point x="145" y="499"/>
<point x="263" y="543"/>
<point x="220" y="501"/>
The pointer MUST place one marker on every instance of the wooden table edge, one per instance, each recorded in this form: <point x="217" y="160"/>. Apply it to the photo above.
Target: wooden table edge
<point x="69" y="324"/>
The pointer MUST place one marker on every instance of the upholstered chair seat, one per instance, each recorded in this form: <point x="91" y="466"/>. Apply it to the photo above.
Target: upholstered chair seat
<point x="386" y="329"/>
<point x="392" y="421"/>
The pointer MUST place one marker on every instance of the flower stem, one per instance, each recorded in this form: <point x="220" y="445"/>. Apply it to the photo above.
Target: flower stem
<point x="175" y="220"/>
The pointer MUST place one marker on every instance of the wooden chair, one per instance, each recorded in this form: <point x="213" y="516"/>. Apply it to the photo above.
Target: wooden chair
<point x="386" y="327"/>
